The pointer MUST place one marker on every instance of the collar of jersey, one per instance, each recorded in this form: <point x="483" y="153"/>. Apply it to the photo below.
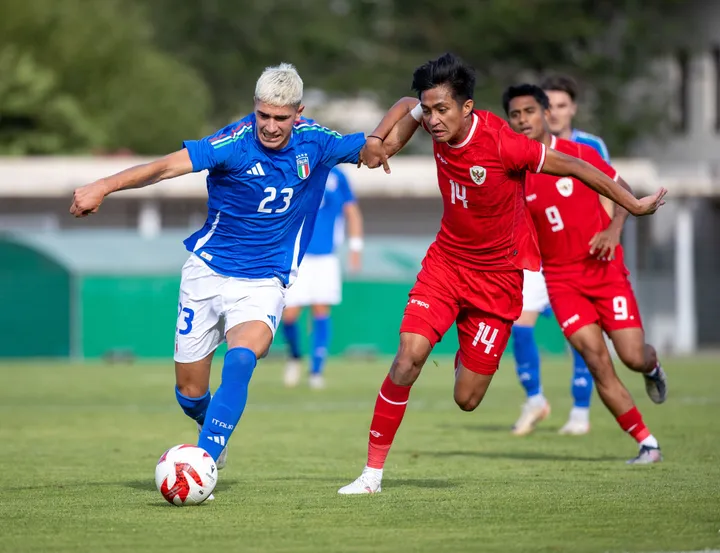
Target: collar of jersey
<point x="468" y="138"/>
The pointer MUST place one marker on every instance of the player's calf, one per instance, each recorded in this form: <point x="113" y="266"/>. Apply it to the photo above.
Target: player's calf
<point x="470" y="386"/>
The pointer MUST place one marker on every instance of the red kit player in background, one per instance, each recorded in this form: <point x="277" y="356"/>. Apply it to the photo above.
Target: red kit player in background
<point x="584" y="270"/>
<point x="473" y="272"/>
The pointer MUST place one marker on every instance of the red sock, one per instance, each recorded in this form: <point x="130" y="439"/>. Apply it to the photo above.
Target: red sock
<point x="632" y="423"/>
<point x="389" y="411"/>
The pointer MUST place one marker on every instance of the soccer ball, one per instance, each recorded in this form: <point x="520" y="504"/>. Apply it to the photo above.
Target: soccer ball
<point x="185" y="475"/>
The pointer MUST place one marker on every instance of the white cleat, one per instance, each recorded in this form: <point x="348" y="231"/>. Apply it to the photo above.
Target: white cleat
<point x="578" y="422"/>
<point x="317" y="382"/>
<point x="222" y="460"/>
<point x="532" y="413"/>
<point x="368" y="482"/>
<point x="575" y="428"/>
<point x="211" y="497"/>
<point x="292" y="373"/>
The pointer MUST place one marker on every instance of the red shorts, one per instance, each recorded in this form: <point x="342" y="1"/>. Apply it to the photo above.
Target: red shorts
<point x="592" y="292"/>
<point x="483" y="303"/>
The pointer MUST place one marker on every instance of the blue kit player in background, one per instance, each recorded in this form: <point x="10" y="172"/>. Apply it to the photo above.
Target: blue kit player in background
<point x="319" y="281"/>
<point x="266" y="179"/>
<point x="562" y="92"/>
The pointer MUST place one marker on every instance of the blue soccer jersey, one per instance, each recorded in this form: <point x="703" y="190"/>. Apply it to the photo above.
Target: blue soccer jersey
<point x="593" y="141"/>
<point x="262" y="203"/>
<point x="329" y="226"/>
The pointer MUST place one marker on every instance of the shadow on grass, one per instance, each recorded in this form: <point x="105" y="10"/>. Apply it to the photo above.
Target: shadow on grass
<point x="431" y="483"/>
<point x="519" y="456"/>
<point x="223" y="484"/>
<point x="505" y="428"/>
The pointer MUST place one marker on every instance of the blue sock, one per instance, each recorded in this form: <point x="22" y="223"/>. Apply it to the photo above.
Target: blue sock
<point x="582" y="381"/>
<point x="228" y="403"/>
<point x="194" y="407"/>
<point x="527" y="359"/>
<point x="321" y="340"/>
<point x="290" y="330"/>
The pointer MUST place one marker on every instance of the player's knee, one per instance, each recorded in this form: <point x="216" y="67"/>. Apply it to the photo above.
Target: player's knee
<point x="597" y="358"/>
<point x="406" y="367"/>
<point x="467" y="401"/>
<point x="192" y="389"/>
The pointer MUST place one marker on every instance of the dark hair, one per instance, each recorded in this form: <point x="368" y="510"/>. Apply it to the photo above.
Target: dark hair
<point x="448" y="70"/>
<point x="563" y="83"/>
<point x="525" y="90"/>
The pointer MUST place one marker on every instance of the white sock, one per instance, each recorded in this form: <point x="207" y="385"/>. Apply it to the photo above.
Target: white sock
<point x="650" y="441"/>
<point x="537" y="400"/>
<point x="376" y="473"/>
<point x="653" y="373"/>
<point x="581" y="414"/>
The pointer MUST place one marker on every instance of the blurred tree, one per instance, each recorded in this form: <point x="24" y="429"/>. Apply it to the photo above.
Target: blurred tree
<point x="81" y="74"/>
<point x="350" y="46"/>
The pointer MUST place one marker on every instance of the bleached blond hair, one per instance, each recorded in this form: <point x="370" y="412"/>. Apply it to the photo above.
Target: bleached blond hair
<point x="280" y="86"/>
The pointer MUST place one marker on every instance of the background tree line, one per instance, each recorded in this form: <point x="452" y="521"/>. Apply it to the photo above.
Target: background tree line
<point x="109" y="75"/>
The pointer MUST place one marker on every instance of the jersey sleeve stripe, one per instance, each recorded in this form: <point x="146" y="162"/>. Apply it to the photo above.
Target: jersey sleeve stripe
<point x="304" y="127"/>
<point x="221" y="141"/>
<point x="542" y="159"/>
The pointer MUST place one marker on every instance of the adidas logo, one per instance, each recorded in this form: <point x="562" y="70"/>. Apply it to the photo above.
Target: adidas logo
<point x="257" y="171"/>
<point x="217" y="439"/>
<point x="273" y="320"/>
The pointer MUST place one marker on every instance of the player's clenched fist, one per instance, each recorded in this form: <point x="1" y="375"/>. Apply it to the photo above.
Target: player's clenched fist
<point x="87" y="199"/>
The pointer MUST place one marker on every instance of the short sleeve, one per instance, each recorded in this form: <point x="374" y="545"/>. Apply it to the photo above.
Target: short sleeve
<point x="343" y="187"/>
<point x="594" y="158"/>
<point x="339" y="148"/>
<point x="215" y="151"/>
<point x="519" y="153"/>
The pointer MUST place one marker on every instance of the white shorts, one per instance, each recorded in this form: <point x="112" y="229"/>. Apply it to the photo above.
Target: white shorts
<point x="211" y="304"/>
<point x="535" y="294"/>
<point x="318" y="282"/>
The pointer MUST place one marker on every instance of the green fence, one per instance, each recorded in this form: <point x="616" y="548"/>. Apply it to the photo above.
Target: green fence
<point x="89" y="295"/>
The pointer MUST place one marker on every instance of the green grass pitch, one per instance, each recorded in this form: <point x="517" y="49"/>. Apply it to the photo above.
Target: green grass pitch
<point x="80" y="443"/>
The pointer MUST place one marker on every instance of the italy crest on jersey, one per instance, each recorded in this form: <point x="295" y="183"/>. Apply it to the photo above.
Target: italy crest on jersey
<point x="303" y="166"/>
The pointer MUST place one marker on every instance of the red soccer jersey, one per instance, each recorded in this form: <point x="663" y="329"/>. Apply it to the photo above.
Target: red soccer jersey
<point x="566" y="212"/>
<point x="486" y="224"/>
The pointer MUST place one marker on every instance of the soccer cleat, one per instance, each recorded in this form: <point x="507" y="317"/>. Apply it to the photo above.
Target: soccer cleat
<point x="578" y="422"/>
<point x="575" y="428"/>
<point x="532" y="413"/>
<point x="367" y="483"/>
<point x="317" y="382"/>
<point x="222" y="460"/>
<point x="647" y="456"/>
<point x="292" y="373"/>
<point x="211" y="497"/>
<point x="656" y="385"/>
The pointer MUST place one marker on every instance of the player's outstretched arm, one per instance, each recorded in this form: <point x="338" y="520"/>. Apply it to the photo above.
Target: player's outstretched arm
<point x="87" y="199"/>
<point x="563" y="165"/>
<point x="392" y="133"/>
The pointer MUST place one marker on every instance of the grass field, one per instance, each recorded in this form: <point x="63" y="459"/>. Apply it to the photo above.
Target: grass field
<point x="80" y="443"/>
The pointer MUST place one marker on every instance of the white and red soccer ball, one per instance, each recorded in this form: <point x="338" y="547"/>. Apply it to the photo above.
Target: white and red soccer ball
<point x="186" y="475"/>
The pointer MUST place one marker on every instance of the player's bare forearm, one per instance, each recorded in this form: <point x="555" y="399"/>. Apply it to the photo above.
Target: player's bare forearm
<point x="563" y="165"/>
<point x="87" y="199"/>
<point x="620" y="214"/>
<point x="395" y="114"/>
<point x="400" y="135"/>
<point x="168" y="167"/>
